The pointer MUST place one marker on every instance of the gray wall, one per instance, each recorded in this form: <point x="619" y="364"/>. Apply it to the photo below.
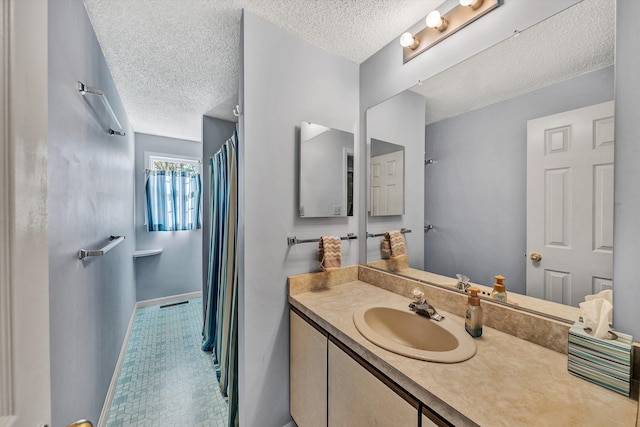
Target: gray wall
<point x="215" y="133"/>
<point x="626" y="268"/>
<point x="384" y="74"/>
<point x="400" y="120"/>
<point x="90" y="197"/>
<point x="177" y="269"/>
<point x="285" y="81"/>
<point x="475" y="192"/>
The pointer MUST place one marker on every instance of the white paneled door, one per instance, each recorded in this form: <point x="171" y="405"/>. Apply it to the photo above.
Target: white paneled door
<point x="387" y="189"/>
<point x="570" y="204"/>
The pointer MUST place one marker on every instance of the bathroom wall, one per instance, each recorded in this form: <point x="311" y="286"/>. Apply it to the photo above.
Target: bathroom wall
<point x="400" y="120"/>
<point x="215" y="133"/>
<point x="177" y="269"/>
<point x="384" y="74"/>
<point x="90" y="197"/>
<point x="476" y="151"/>
<point x="285" y="81"/>
<point x="626" y="269"/>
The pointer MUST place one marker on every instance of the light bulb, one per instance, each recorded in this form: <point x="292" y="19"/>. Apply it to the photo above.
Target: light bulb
<point x="408" y="40"/>
<point x="436" y="21"/>
<point x="473" y="4"/>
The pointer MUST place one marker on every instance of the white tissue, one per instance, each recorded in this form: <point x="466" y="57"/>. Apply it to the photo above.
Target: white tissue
<point x="595" y="315"/>
<point x="606" y="294"/>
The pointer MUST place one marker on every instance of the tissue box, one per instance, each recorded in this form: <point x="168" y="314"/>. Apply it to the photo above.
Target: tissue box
<point x="604" y="362"/>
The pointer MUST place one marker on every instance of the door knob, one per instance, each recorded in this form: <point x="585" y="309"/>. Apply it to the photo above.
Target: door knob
<point x="81" y="423"/>
<point x="535" y="257"/>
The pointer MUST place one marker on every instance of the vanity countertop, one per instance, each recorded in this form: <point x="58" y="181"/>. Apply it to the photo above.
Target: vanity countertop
<point x="509" y="382"/>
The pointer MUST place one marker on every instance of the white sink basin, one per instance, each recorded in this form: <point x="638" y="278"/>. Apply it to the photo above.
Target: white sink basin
<point x="412" y="335"/>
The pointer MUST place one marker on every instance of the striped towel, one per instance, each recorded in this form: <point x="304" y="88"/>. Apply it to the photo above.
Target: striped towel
<point x="392" y="244"/>
<point x="329" y="252"/>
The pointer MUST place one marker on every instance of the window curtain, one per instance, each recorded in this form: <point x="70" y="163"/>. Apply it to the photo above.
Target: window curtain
<point x="173" y="200"/>
<point x="220" y="331"/>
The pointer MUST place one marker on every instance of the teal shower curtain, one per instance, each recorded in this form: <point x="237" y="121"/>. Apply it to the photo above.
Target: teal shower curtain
<point x="220" y="331"/>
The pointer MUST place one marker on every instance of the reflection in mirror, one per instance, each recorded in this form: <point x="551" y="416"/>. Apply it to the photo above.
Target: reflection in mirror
<point x="494" y="203"/>
<point x="326" y="171"/>
<point x="386" y="178"/>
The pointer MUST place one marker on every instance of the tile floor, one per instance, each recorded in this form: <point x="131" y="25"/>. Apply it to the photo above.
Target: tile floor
<point x="166" y="380"/>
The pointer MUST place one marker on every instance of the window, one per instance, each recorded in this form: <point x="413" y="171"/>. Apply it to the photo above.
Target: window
<point x="158" y="162"/>
<point x="173" y="188"/>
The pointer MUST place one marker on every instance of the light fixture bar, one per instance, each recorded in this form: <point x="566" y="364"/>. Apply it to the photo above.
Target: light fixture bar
<point x="457" y="18"/>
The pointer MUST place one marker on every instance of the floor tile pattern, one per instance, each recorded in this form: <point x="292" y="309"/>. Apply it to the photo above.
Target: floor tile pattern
<point x="166" y="380"/>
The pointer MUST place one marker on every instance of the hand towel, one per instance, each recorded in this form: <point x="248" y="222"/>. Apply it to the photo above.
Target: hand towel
<point x="329" y="252"/>
<point x="392" y="244"/>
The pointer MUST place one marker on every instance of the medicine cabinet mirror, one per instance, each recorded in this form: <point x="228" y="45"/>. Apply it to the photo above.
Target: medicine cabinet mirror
<point x="326" y="171"/>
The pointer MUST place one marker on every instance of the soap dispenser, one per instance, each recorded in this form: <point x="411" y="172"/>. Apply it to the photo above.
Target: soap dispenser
<point x="499" y="292"/>
<point x="473" y="317"/>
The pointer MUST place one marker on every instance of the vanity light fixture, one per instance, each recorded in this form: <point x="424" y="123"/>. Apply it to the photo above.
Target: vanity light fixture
<point x="473" y="4"/>
<point x="440" y="26"/>
<point x="409" y="40"/>
<point x="436" y="21"/>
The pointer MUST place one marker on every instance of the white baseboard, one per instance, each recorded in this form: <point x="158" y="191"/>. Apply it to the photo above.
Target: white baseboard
<point x="169" y="299"/>
<point x="102" y="421"/>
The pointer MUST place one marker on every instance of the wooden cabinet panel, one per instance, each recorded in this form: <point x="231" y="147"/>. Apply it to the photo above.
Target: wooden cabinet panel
<point x="358" y="398"/>
<point x="307" y="373"/>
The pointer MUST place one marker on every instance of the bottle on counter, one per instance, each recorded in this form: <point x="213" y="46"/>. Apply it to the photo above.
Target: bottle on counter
<point x="473" y="317"/>
<point x="499" y="292"/>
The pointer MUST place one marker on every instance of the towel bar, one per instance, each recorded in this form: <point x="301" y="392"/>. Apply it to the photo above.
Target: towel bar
<point x="294" y="240"/>
<point x="84" y="89"/>
<point x="113" y="242"/>
<point x="402" y="230"/>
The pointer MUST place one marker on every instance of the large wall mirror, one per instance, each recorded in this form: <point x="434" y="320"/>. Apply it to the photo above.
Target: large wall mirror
<point x="519" y="180"/>
<point x="326" y="171"/>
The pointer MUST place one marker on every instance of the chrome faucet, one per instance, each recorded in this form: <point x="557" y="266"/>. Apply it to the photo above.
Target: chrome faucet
<point x="463" y="282"/>
<point x="422" y="307"/>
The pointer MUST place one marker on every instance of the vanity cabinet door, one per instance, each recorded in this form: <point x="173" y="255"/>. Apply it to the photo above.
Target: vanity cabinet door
<point x="357" y="397"/>
<point x="307" y="373"/>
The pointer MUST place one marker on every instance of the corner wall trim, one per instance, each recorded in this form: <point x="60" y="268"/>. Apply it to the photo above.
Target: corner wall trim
<point x="6" y="351"/>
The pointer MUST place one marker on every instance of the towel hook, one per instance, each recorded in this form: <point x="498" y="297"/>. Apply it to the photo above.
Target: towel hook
<point x="236" y="111"/>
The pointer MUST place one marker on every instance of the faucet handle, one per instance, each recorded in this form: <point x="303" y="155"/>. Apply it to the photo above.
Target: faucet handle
<point x="418" y="296"/>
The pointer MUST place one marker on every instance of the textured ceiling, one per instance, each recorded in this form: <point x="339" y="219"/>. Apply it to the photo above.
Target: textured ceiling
<point x="575" y="41"/>
<point x="174" y="61"/>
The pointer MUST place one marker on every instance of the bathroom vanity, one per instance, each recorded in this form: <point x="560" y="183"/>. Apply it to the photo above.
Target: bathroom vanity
<point x="338" y="377"/>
